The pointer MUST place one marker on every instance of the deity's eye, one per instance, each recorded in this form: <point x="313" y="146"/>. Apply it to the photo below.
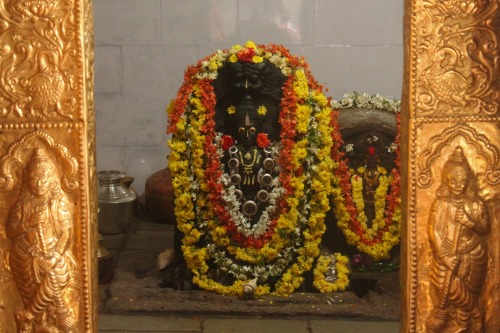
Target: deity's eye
<point x="252" y="130"/>
<point x="241" y="129"/>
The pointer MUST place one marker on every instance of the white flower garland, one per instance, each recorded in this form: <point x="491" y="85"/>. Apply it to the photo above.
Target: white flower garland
<point x="364" y="100"/>
<point x="233" y="205"/>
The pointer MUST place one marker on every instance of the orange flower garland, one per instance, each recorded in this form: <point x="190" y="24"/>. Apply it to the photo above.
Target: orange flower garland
<point x="286" y="246"/>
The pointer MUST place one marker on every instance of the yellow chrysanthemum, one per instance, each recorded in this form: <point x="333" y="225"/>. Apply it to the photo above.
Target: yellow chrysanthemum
<point x="262" y="110"/>
<point x="303" y="115"/>
<point x="250" y="45"/>
<point x="300" y="85"/>
<point x="322" y="268"/>
<point x="171" y="107"/>
<point x="212" y="65"/>
<point x="257" y="59"/>
<point x="233" y="58"/>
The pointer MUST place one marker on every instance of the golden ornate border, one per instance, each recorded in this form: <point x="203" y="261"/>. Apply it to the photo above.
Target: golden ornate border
<point x="458" y="41"/>
<point x="47" y="101"/>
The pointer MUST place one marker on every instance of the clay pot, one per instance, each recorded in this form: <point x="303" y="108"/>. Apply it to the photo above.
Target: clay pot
<point x="159" y="196"/>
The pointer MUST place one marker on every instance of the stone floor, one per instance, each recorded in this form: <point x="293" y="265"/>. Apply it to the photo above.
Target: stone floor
<point x="198" y="324"/>
<point x="133" y="300"/>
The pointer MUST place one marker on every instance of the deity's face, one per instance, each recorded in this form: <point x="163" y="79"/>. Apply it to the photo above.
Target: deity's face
<point x="247" y="134"/>
<point x="457" y="180"/>
<point x="39" y="181"/>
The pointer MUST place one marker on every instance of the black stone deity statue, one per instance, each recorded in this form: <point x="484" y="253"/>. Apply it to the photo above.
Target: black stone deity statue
<point x="248" y="103"/>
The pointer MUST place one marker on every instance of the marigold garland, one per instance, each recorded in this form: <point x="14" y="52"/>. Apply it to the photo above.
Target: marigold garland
<point x="342" y="271"/>
<point x="385" y="233"/>
<point x="288" y="239"/>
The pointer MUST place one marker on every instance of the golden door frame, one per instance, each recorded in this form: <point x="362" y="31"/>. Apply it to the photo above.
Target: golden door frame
<point x="451" y="171"/>
<point x="48" y="257"/>
<point x="450" y="113"/>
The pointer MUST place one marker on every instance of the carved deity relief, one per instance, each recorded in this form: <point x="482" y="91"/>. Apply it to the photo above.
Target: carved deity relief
<point x="39" y="226"/>
<point x="457" y="226"/>
<point x="48" y="203"/>
<point x="458" y="265"/>
<point x="38" y="59"/>
<point x="458" y="55"/>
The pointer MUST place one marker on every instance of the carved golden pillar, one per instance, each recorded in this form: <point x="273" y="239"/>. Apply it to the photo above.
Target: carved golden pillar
<point x="48" y="207"/>
<point x="451" y="153"/>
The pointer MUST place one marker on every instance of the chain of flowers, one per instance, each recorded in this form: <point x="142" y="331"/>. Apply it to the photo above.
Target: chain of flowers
<point x="298" y="153"/>
<point x="301" y="224"/>
<point x="292" y="236"/>
<point x="379" y="243"/>
<point x="364" y="100"/>
<point x="251" y="250"/>
<point x="380" y="200"/>
<point x="321" y="269"/>
<point x="224" y="215"/>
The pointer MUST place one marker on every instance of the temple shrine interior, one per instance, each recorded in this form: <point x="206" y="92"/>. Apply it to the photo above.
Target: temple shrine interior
<point x="140" y="65"/>
<point x="259" y="166"/>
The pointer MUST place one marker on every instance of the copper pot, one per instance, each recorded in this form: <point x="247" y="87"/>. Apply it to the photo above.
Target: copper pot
<point x="159" y="196"/>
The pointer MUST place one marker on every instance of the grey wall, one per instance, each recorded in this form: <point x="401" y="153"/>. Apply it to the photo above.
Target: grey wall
<point x="143" y="47"/>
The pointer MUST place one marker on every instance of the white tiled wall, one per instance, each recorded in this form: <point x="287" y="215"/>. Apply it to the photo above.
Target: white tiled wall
<point x="143" y="47"/>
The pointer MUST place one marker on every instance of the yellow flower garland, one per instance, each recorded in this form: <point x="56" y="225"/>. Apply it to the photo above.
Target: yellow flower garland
<point x="380" y="194"/>
<point x="321" y="269"/>
<point x="195" y="215"/>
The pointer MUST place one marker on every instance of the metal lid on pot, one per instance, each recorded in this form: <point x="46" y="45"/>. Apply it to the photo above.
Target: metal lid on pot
<point x="111" y="188"/>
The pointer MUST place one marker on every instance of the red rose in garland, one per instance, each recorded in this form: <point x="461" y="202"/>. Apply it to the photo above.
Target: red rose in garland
<point x="246" y="55"/>
<point x="227" y="142"/>
<point x="262" y="140"/>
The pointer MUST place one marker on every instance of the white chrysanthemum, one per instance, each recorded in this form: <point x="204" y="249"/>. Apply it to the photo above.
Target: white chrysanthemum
<point x="364" y="100"/>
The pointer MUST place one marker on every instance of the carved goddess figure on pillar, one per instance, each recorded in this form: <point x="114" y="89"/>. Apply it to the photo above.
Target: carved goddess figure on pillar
<point x="40" y="227"/>
<point x="457" y="223"/>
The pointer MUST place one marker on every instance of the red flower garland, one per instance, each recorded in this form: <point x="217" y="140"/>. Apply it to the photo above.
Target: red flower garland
<point x="288" y="135"/>
<point x="392" y="198"/>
